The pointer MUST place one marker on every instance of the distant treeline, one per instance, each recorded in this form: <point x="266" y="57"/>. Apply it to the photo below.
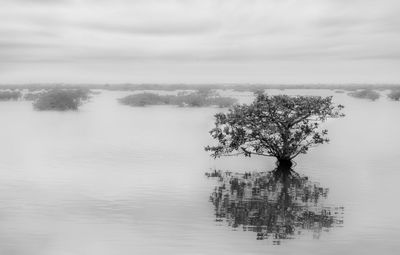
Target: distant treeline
<point x="174" y="87"/>
<point x="66" y="97"/>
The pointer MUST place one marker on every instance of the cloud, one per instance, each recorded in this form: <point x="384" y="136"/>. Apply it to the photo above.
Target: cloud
<point x="21" y="45"/>
<point x="169" y="28"/>
<point x="38" y="2"/>
<point x="199" y="31"/>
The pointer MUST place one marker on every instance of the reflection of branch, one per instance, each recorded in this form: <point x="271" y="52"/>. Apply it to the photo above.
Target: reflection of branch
<point x="274" y="206"/>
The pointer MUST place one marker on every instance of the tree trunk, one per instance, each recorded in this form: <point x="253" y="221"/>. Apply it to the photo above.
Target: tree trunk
<point x="284" y="165"/>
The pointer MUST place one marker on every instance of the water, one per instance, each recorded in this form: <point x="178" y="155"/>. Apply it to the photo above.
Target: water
<point x="111" y="179"/>
<point x="277" y="207"/>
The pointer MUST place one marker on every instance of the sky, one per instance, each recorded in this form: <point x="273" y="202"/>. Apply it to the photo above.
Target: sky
<point x="199" y="41"/>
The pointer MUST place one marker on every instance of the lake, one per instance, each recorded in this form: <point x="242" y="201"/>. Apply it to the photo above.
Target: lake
<point x="114" y="179"/>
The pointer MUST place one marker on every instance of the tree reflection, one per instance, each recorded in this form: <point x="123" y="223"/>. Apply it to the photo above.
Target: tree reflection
<point x="275" y="206"/>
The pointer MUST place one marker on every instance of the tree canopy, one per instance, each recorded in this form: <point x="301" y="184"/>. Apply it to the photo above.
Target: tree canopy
<point x="279" y="126"/>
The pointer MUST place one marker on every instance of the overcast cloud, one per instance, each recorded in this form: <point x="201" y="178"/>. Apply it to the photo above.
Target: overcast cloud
<point x="166" y="41"/>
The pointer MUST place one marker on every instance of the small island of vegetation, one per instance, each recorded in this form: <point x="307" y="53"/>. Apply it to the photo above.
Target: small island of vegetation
<point x="394" y="95"/>
<point x="199" y="98"/>
<point x="9" y="95"/>
<point x="61" y="100"/>
<point x="365" y="94"/>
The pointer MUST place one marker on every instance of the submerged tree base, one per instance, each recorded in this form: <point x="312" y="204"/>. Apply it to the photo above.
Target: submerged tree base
<point x="284" y="169"/>
<point x="285" y="173"/>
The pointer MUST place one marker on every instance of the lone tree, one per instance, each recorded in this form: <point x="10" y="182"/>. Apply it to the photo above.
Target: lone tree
<point x="276" y="126"/>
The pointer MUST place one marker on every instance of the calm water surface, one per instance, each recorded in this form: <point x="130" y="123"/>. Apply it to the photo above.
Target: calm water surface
<point x="111" y="179"/>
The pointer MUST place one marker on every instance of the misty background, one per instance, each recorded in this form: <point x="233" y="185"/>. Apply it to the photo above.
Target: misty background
<point x="190" y="41"/>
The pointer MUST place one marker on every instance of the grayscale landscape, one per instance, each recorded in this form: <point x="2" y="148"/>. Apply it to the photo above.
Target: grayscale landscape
<point x="199" y="127"/>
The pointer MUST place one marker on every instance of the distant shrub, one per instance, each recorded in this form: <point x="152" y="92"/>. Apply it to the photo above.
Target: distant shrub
<point x="394" y="95"/>
<point x="144" y="99"/>
<point x="9" y="95"/>
<point x="339" y="91"/>
<point x="61" y="100"/>
<point x="366" y="94"/>
<point x="195" y="99"/>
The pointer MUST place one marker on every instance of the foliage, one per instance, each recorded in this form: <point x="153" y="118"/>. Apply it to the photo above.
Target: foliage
<point x="279" y="126"/>
<point x="195" y="99"/>
<point x="9" y="95"/>
<point x="394" y="95"/>
<point x="61" y="100"/>
<point x="365" y="93"/>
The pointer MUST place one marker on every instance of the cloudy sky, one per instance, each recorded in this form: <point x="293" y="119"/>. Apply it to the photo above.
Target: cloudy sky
<point x="200" y="41"/>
